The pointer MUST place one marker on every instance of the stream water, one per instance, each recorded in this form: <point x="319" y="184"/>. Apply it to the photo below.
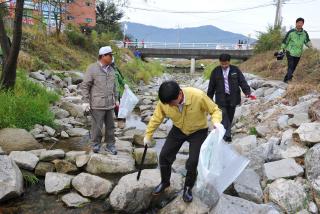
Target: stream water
<point x="35" y="200"/>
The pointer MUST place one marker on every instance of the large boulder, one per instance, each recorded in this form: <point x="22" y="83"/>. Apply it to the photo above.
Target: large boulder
<point x="178" y="206"/>
<point x="12" y="139"/>
<point x="74" y="200"/>
<point x="151" y="157"/>
<point x="314" y="111"/>
<point x="246" y="144"/>
<point x="77" y="132"/>
<point x="57" y="182"/>
<point x="50" y="155"/>
<point x="133" y="196"/>
<point x="308" y="133"/>
<point x="288" y="194"/>
<point x="298" y="119"/>
<point x="315" y="185"/>
<point x="72" y="155"/>
<point x="43" y="167"/>
<point x="312" y="160"/>
<point x="73" y="109"/>
<point x="112" y="164"/>
<point x="91" y="185"/>
<point x="63" y="166"/>
<point x="25" y="160"/>
<point x="285" y="168"/>
<point x="11" y="180"/>
<point x="230" y="204"/>
<point x="248" y="186"/>
<point x="124" y="146"/>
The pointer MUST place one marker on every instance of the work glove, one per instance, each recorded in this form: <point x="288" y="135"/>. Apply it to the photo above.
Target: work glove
<point x="86" y="108"/>
<point x="251" y="97"/>
<point x="215" y="125"/>
<point x="146" y="141"/>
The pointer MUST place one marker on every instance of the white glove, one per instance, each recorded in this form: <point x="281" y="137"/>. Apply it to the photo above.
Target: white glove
<point x="215" y="125"/>
<point x="85" y="106"/>
<point x="146" y="141"/>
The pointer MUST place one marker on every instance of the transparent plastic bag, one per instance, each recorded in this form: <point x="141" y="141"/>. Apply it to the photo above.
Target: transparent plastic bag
<point x="219" y="165"/>
<point x="127" y="102"/>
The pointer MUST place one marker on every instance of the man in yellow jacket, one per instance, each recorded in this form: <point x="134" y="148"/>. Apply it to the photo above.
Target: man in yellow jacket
<point x="188" y="109"/>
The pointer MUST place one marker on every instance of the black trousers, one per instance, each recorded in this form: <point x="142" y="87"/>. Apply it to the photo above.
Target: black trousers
<point x="172" y="146"/>
<point x="227" y="116"/>
<point x="292" y="64"/>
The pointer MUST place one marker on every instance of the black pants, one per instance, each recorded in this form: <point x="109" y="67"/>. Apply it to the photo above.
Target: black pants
<point x="227" y="115"/>
<point x="171" y="147"/>
<point x="292" y="64"/>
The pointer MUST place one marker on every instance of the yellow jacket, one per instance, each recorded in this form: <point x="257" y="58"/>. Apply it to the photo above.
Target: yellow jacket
<point x="193" y="117"/>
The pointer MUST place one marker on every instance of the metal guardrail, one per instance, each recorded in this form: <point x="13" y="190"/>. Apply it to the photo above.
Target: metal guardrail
<point x="171" y="45"/>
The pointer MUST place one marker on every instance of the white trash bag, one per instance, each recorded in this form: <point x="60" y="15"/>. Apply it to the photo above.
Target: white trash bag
<point x="127" y="102"/>
<point x="219" y="165"/>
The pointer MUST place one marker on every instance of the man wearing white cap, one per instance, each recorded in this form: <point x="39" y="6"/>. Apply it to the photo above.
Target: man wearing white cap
<point x="99" y="90"/>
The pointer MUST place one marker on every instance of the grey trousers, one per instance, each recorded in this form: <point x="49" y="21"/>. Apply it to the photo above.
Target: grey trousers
<point x="100" y="117"/>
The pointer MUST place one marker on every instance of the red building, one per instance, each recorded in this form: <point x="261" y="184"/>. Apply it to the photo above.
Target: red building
<point x="78" y="12"/>
<point x="81" y="12"/>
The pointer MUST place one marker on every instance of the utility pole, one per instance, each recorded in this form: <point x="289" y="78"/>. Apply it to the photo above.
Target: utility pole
<point x="278" y="19"/>
<point x="49" y="17"/>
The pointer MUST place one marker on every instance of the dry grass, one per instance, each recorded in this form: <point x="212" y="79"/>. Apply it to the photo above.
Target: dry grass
<point x="294" y="91"/>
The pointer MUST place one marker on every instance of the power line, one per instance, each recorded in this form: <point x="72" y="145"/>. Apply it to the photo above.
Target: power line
<point x="199" y="12"/>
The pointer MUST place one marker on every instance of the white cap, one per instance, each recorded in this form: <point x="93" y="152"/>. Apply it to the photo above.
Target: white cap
<point x="105" y="50"/>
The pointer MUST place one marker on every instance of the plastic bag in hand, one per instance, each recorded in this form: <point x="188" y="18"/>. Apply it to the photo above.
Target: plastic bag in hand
<point x="127" y="102"/>
<point x="219" y="165"/>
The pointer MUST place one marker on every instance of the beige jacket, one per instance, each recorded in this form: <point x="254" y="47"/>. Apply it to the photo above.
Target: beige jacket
<point x="99" y="88"/>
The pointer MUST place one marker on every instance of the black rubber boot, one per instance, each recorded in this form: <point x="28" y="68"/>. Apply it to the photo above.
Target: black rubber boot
<point x="165" y="180"/>
<point x="189" y="183"/>
<point x="187" y="194"/>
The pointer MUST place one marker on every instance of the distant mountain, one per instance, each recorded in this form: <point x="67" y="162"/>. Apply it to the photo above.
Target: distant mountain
<point x="205" y="33"/>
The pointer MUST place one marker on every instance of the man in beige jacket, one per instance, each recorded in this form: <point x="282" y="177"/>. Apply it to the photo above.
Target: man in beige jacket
<point x="99" y="90"/>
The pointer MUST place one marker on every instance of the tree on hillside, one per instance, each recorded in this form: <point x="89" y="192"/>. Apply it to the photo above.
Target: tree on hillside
<point x="270" y="40"/>
<point x="108" y="16"/>
<point x="10" y="53"/>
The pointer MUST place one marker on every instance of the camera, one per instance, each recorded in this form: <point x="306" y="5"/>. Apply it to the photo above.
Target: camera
<point x="279" y="55"/>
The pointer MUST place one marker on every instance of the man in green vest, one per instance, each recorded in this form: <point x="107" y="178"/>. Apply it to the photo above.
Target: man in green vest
<point x="293" y="46"/>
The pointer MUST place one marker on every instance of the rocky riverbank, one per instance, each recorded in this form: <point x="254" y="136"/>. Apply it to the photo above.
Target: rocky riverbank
<point x="280" y="138"/>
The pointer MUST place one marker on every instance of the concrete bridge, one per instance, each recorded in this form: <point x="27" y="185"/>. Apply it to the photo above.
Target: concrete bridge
<point x="192" y="51"/>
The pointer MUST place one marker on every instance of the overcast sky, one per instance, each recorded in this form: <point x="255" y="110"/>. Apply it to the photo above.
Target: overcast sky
<point x="245" y="21"/>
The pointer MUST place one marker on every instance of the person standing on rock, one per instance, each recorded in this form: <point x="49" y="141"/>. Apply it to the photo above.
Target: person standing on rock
<point x="188" y="109"/>
<point x="225" y="83"/>
<point x="99" y="90"/>
<point x="292" y="44"/>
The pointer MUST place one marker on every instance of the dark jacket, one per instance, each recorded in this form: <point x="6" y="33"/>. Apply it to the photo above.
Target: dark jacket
<point x="236" y="81"/>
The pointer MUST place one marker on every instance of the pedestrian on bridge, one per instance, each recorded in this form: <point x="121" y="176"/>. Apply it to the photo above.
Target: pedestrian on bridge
<point x="99" y="90"/>
<point x="225" y="83"/>
<point x="292" y="44"/>
<point x="188" y="109"/>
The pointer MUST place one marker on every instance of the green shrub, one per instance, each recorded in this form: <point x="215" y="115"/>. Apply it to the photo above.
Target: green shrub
<point x="270" y="40"/>
<point x="28" y="104"/>
<point x="139" y="70"/>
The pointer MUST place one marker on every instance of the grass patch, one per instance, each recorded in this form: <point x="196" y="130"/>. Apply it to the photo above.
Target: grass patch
<point x="253" y="131"/>
<point x="29" y="178"/>
<point x="28" y="104"/>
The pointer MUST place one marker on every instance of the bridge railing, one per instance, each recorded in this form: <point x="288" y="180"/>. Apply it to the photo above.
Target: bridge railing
<point x="184" y="45"/>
